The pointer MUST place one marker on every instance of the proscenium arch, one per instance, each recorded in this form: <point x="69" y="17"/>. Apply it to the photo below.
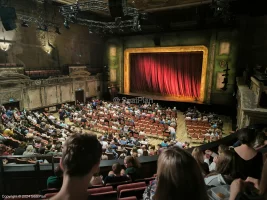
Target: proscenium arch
<point x="176" y="49"/>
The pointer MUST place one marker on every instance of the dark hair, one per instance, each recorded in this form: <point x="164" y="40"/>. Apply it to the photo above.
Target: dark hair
<point x="133" y="160"/>
<point x="58" y="171"/>
<point x="145" y="153"/>
<point x="179" y="176"/>
<point x="263" y="181"/>
<point x="116" y="168"/>
<point x="246" y="136"/>
<point x="80" y="154"/>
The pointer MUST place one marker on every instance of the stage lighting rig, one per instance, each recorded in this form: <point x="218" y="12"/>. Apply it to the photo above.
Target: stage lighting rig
<point x="119" y="25"/>
<point x="42" y="24"/>
<point x="222" y="9"/>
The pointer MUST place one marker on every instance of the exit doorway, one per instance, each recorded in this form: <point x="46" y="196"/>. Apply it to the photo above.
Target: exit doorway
<point x="12" y="105"/>
<point x="79" y="96"/>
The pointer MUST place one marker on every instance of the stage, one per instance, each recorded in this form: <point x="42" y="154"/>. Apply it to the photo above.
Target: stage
<point x="155" y="97"/>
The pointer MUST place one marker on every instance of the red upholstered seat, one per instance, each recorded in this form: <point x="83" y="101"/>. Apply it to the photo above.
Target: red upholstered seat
<point x="138" y="192"/>
<point x="100" y="190"/>
<point x="131" y="185"/>
<point x="128" y="198"/>
<point x="112" y="195"/>
<point x="49" y="195"/>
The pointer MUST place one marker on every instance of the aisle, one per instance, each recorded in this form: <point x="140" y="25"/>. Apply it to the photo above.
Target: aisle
<point x="181" y="134"/>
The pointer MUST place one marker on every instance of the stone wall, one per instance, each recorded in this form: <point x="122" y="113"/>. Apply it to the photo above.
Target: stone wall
<point x="33" y="94"/>
<point x="33" y="49"/>
<point x="248" y="111"/>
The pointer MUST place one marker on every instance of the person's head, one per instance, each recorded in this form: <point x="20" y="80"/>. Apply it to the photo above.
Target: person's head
<point x="224" y="164"/>
<point x="198" y="155"/>
<point x="145" y="153"/>
<point x="81" y="155"/>
<point x="29" y="148"/>
<point x="134" y="150"/>
<point x="246" y="136"/>
<point x="179" y="176"/>
<point x="116" y="168"/>
<point x="131" y="161"/>
<point x="58" y="171"/>
<point x="222" y="148"/>
<point x="2" y="149"/>
<point x="259" y="140"/>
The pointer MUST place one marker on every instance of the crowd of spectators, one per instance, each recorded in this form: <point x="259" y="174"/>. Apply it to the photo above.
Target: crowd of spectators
<point x="179" y="174"/>
<point x="203" y="127"/>
<point x="238" y="173"/>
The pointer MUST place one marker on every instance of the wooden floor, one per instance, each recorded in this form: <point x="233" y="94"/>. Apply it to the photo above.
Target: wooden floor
<point x="181" y="133"/>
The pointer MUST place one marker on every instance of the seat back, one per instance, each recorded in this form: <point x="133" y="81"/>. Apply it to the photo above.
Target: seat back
<point x="128" y="198"/>
<point x="138" y="192"/>
<point x="49" y="195"/>
<point x="131" y="185"/>
<point x="100" y="190"/>
<point x="112" y="195"/>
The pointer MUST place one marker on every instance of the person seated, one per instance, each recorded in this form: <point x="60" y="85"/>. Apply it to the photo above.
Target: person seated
<point x="221" y="149"/>
<point x="96" y="180"/>
<point x="251" y="188"/>
<point x="80" y="160"/>
<point x="152" y="150"/>
<point x="260" y="141"/>
<point x="164" y="143"/>
<point x="115" y="176"/>
<point x="110" y="150"/>
<point x="178" y="177"/>
<point x="223" y="172"/>
<point x="56" y="180"/>
<point x="248" y="162"/>
<point x="20" y="150"/>
<point x="132" y="166"/>
<point x="200" y="157"/>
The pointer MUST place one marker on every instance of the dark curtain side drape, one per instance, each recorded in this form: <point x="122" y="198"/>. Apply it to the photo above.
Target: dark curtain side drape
<point x="173" y="74"/>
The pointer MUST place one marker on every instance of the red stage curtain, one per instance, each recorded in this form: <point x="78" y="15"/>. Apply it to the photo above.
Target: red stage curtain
<point x="175" y="74"/>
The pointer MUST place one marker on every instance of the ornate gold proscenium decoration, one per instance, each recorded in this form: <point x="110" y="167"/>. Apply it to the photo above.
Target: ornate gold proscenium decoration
<point x="177" y="49"/>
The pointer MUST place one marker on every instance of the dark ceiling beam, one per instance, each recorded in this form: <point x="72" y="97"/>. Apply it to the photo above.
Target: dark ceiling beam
<point x="181" y="6"/>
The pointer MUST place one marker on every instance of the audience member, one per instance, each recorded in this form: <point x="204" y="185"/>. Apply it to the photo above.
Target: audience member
<point x="248" y="162"/>
<point x="132" y="166"/>
<point x="199" y="157"/>
<point x="80" y="160"/>
<point x="178" y="177"/>
<point x="56" y="180"/>
<point x="115" y="176"/>
<point x="251" y="188"/>
<point x="223" y="173"/>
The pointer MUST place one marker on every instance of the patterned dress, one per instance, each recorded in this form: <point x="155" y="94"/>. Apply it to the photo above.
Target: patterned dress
<point x="150" y="191"/>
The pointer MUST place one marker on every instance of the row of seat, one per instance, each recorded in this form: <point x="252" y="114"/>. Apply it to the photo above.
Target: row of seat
<point x="123" y="192"/>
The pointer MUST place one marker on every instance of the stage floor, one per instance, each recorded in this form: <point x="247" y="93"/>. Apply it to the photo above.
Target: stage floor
<point x="152" y="97"/>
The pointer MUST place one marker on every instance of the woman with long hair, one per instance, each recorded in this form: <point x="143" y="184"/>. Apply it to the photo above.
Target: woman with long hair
<point x="132" y="165"/>
<point x="178" y="177"/>
<point x="223" y="171"/>
<point x="199" y="157"/>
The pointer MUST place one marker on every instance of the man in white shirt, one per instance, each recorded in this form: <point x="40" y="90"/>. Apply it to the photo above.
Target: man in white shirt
<point x="104" y="144"/>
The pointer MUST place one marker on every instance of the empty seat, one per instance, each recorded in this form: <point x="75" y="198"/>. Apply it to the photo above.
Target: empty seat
<point x="128" y="198"/>
<point x="133" y="189"/>
<point x="100" y="190"/>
